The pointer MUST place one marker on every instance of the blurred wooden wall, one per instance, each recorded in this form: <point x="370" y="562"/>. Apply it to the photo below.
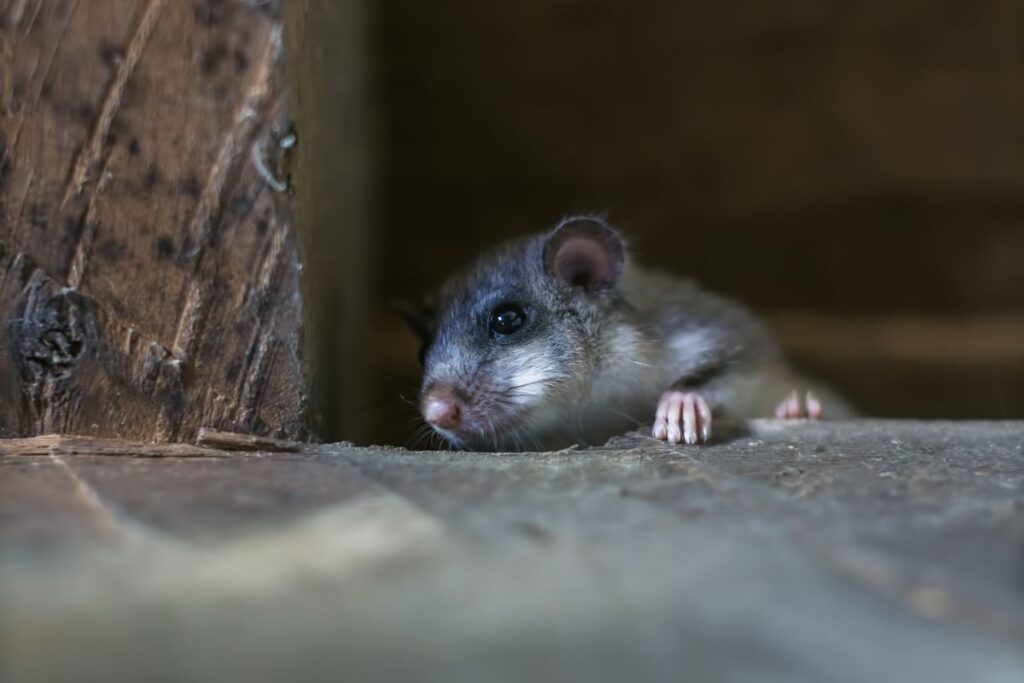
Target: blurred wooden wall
<point x="854" y="171"/>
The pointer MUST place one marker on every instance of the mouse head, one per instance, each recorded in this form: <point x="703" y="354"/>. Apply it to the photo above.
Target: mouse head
<point x="510" y="343"/>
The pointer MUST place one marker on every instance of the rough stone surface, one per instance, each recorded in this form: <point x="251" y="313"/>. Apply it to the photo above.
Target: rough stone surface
<point x="869" y="550"/>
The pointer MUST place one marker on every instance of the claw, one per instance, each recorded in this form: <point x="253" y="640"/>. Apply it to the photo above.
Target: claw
<point x="814" y="409"/>
<point x="682" y="417"/>
<point x="790" y="408"/>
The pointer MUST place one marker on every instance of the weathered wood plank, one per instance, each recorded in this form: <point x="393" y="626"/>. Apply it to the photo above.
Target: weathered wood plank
<point x="148" y="281"/>
<point x="44" y="505"/>
<point x="868" y="550"/>
<point x="58" y="444"/>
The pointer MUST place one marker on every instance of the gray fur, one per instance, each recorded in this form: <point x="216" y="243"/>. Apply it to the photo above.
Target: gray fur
<point x="597" y="361"/>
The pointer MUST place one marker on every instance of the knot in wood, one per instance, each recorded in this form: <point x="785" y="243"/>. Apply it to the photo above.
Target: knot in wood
<point x="52" y="330"/>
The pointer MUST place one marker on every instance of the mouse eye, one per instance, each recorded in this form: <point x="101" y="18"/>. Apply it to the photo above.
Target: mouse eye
<point x="506" y="319"/>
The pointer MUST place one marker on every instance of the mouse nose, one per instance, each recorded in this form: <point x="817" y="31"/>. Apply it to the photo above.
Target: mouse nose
<point x="441" y="408"/>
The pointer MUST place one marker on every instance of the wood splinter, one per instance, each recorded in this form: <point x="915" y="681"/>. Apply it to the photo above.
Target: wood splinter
<point x="232" y="441"/>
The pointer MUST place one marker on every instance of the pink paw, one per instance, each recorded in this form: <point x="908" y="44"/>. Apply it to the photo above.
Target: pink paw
<point x="682" y="416"/>
<point x="792" y="409"/>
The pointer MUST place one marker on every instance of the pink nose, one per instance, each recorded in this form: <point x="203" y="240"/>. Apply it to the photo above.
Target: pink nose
<point x="441" y="408"/>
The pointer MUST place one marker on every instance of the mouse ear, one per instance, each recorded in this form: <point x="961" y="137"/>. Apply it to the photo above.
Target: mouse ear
<point x="584" y="252"/>
<point x="419" y="317"/>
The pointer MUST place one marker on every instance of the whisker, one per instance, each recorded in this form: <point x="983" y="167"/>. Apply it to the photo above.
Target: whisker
<point x="417" y="437"/>
<point x="544" y="380"/>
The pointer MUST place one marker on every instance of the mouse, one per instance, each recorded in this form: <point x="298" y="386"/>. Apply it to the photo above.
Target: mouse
<point x="561" y="339"/>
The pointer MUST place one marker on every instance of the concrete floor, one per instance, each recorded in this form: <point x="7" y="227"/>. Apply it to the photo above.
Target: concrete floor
<point x="868" y="550"/>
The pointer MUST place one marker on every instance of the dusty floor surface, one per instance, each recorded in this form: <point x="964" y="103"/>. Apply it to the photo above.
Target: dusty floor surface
<point x="855" y="551"/>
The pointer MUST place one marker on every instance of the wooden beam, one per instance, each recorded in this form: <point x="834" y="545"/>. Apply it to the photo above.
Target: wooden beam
<point x="149" y="284"/>
<point x="328" y="76"/>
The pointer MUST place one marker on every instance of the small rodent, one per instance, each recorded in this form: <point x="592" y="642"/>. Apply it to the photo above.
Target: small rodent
<point x="559" y="339"/>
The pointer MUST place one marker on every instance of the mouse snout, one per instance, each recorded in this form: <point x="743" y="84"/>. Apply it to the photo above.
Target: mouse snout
<point x="442" y="408"/>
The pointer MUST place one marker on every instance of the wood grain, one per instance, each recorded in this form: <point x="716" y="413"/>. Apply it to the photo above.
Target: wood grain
<point x="148" y="281"/>
<point x="60" y="444"/>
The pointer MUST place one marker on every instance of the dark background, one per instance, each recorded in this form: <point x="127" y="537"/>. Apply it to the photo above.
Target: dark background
<point x="854" y="171"/>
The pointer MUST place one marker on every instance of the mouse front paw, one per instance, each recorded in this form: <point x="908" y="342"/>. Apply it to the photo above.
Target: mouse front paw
<point x="682" y="417"/>
<point x="792" y="408"/>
